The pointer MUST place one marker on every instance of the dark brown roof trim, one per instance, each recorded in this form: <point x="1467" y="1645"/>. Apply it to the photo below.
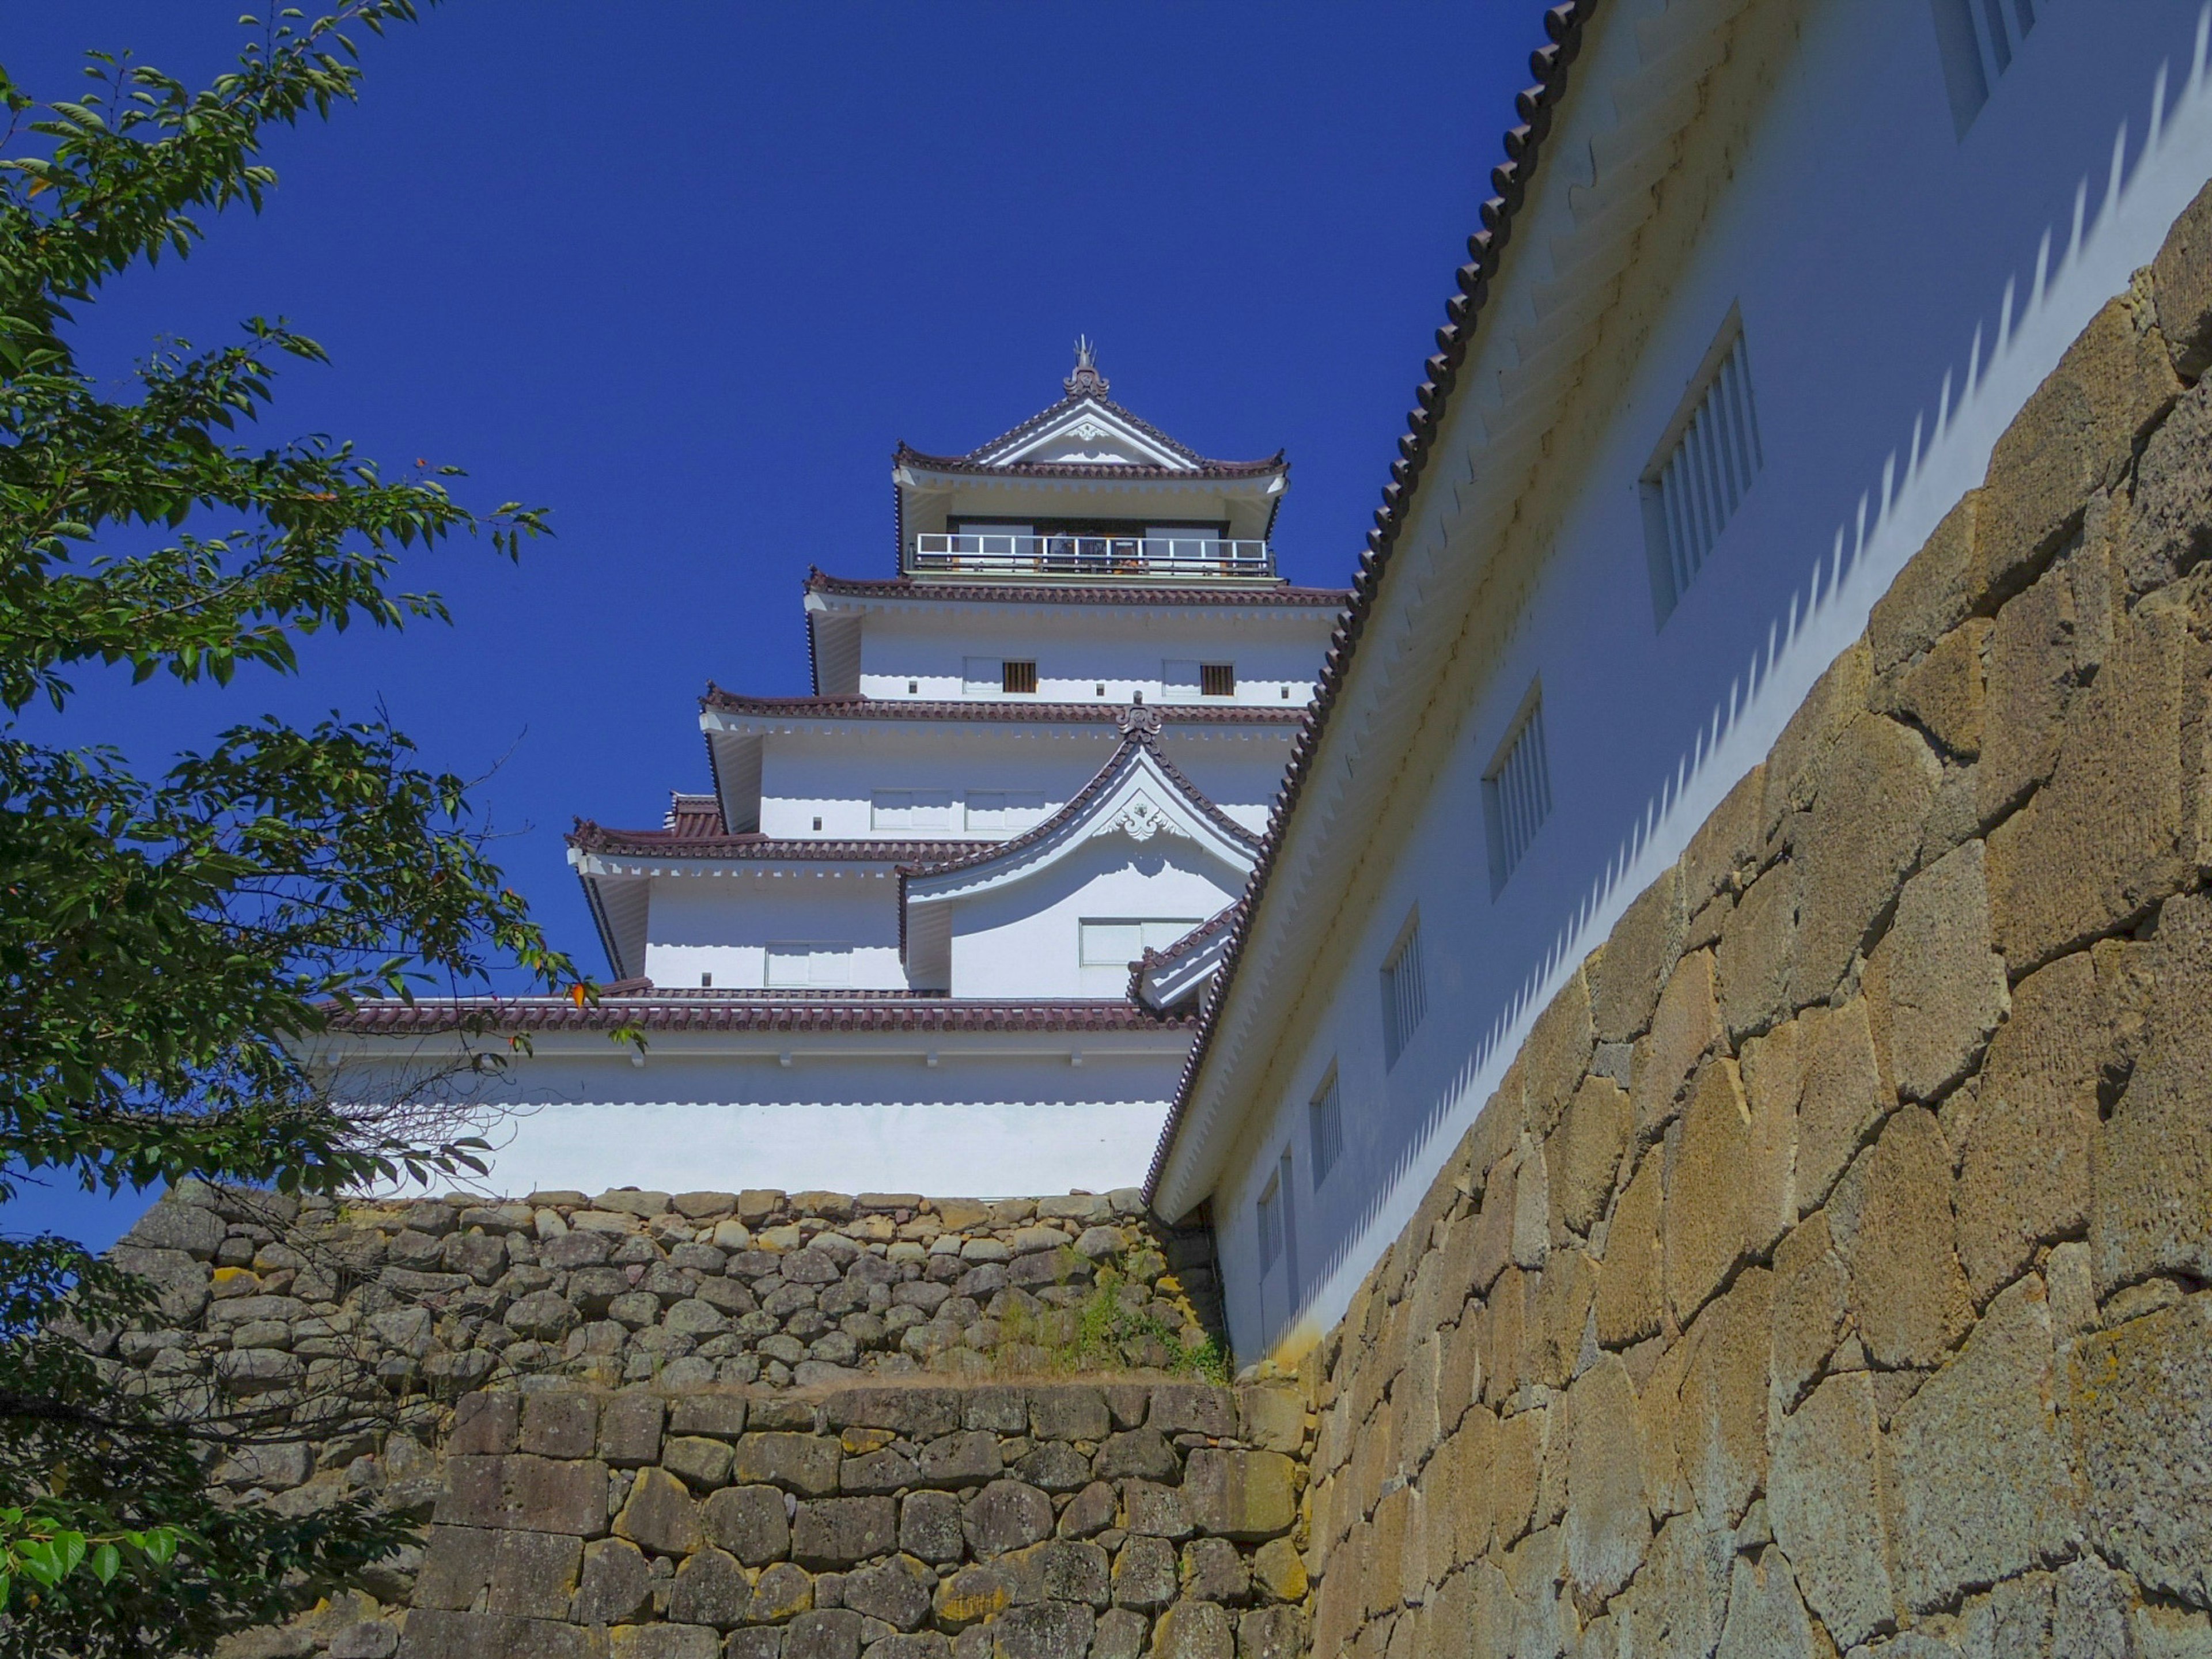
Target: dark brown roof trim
<point x="1190" y="942"/>
<point x="1068" y="404"/>
<point x="679" y="843"/>
<point x="1049" y="713"/>
<point x="738" y="1011"/>
<point x="1535" y="105"/>
<point x="1048" y="593"/>
<point x="1199" y="468"/>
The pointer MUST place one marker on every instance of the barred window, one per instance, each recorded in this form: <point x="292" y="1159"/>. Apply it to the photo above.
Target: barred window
<point x="1018" y="678"/>
<point x="1517" y="792"/>
<point x="1325" y="1119"/>
<point x="1271" y="1224"/>
<point x="1705" y="466"/>
<point x="1404" y="993"/>
<point x="1217" y="679"/>
<point x="1977" y="39"/>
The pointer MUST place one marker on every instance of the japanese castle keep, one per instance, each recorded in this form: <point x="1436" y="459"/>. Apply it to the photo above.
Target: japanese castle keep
<point x="897" y="946"/>
<point x="1665" y="1033"/>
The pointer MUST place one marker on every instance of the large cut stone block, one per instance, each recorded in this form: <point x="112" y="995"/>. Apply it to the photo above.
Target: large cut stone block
<point x="528" y="1494"/>
<point x="2031" y="676"/>
<point x="751" y="1522"/>
<point x="1721" y="1429"/>
<point x="2102" y="841"/>
<point x="1582" y="1159"/>
<point x="1238" y="1494"/>
<point x="1727" y="1190"/>
<point x="1843" y="1095"/>
<point x="2181" y="286"/>
<point x="1557" y="1053"/>
<point x="1979" y="1488"/>
<point x="1871" y="790"/>
<point x="1607" y="1528"/>
<point x="1824" y="1499"/>
<point x="1630" y="1286"/>
<point x="803" y="1464"/>
<point x="1931" y="596"/>
<point x="1757" y="953"/>
<point x="2140" y="1398"/>
<point x="1639" y="954"/>
<point x="1946" y="986"/>
<point x="1686" y="1027"/>
<point x="1907" y="1291"/>
<point x="433" y="1634"/>
<point x="659" y="1515"/>
<point x="837" y="1532"/>
<point x="2074" y="437"/>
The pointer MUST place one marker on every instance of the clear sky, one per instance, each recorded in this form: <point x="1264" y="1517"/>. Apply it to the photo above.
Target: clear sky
<point x="684" y="273"/>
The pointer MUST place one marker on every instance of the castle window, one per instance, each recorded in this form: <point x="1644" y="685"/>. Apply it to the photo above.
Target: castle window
<point x="1217" y="679"/>
<point x="1976" y="40"/>
<point x="911" y="810"/>
<point x="1325" y="1122"/>
<point x="1516" y="791"/>
<point x="1018" y="678"/>
<point x="1271" y="1224"/>
<point x="1404" y="993"/>
<point x="1703" y="465"/>
<point x="795" y="964"/>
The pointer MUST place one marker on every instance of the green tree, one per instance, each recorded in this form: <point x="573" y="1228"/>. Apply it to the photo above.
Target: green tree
<point x="169" y="943"/>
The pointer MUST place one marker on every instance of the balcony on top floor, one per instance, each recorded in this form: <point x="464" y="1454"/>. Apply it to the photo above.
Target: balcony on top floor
<point x="1078" y="557"/>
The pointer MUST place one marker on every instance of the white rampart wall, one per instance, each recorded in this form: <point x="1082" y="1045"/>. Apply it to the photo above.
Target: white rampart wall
<point x="1902" y="291"/>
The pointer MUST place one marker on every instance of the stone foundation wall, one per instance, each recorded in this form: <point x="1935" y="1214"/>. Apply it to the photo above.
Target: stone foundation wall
<point x="296" y="1312"/>
<point x="1830" y="1272"/>
<point x="1053" y="1521"/>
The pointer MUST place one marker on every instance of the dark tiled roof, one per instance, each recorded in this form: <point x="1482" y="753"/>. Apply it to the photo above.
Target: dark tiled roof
<point x="688" y="844"/>
<point x="1069" y="713"/>
<point x="749" y="1010"/>
<point x="1536" y="106"/>
<point x="692" y="815"/>
<point x="1046" y="593"/>
<point x="1202" y="469"/>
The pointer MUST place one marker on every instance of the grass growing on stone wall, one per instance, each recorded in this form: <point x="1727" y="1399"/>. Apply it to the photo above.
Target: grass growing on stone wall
<point x="1112" y="1328"/>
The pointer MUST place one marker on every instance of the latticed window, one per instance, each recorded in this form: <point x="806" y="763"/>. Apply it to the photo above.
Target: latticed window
<point x="1271" y="1224"/>
<point x="1217" y="679"/>
<point x="1405" y="994"/>
<point x="1325" y="1119"/>
<point x="1517" y="794"/>
<point x="1705" y="465"/>
<point x="1018" y="678"/>
<point x="1978" y="39"/>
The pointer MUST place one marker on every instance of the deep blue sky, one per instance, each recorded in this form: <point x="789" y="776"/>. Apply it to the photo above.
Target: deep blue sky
<point x="685" y="273"/>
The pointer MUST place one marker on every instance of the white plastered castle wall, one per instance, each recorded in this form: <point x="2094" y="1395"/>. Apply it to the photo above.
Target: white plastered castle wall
<point x="1902" y="290"/>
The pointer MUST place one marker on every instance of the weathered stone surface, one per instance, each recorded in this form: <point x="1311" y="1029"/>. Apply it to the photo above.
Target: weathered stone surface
<point x="1681" y="1599"/>
<point x="1843" y="1096"/>
<point x="532" y="1493"/>
<point x="823" y="1634"/>
<point x="2024" y="1178"/>
<point x="1639" y="954"/>
<point x="1824" y="1500"/>
<point x="1629" y="1291"/>
<point x="1144" y="1573"/>
<point x="749" y="1522"/>
<point x="897" y="1591"/>
<point x="1154" y="1510"/>
<point x="1272" y="1417"/>
<point x="2074" y="436"/>
<point x="1854" y="843"/>
<point x="1728" y="1188"/>
<point x="1607" y="1529"/>
<point x="615" y="1582"/>
<point x="1907" y="1291"/>
<point x="2181" y="286"/>
<point x="1142" y="1452"/>
<point x="1686" y="1027"/>
<point x="659" y="1514"/>
<point x="1931" y="595"/>
<point x="170" y="1225"/>
<point x="1193" y="1630"/>
<point x="2151" y="1165"/>
<point x="1943" y="693"/>
<point x="929" y="1526"/>
<point x="1058" y="1569"/>
<point x="180" y="1283"/>
<point x="1004" y="1516"/>
<point x="1278" y="1570"/>
<point x="1946" y="986"/>
<point x="1811" y="1293"/>
<point x="1557" y="1053"/>
<point x="544" y="1315"/>
<point x="1766" y="1617"/>
<point x="1837" y="700"/>
<point x="431" y="1634"/>
<point x="1241" y="1494"/>
<point x="564" y="1425"/>
<point x="1755" y="962"/>
<point x="710" y="1588"/>
<point x="803" y="1464"/>
<point x="780" y="1594"/>
<point x="2031" y="674"/>
<point x="702" y="1464"/>
<point x="2103" y="840"/>
<point x="1582" y="1157"/>
<point x="1266" y="1633"/>
<point x="630" y="1429"/>
<point x="2140" y="1399"/>
<point x="1192" y="1408"/>
<point x="1979" y="1488"/>
<point x="1721" y="1429"/>
<point x="836" y="1532"/>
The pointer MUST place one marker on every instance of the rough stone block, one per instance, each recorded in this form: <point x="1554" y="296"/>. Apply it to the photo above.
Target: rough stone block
<point x="917" y="1414"/>
<point x="751" y="1522"/>
<point x="803" y="1464"/>
<point x="564" y="1425"/>
<point x="2181" y="286"/>
<point x="1048" y="1630"/>
<point x="1766" y="1617"/>
<point x="1271" y="1633"/>
<point x="1728" y="1187"/>
<point x="2140" y="1399"/>
<point x="967" y="1458"/>
<point x="1581" y="1157"/>
<point x="659" y="1515"/>
<point x="1058" y="1569"/>
<point x="1946" y="986"/>
<point x="2074" y="437"/>
<point x="1243" y="1495"/>
<point x="896" y="1591"/>
<point x="1068" y="1412"/>
<point x="2103" y="840"/>
<point x="1979" y="1488"/>
<point x="1908" y="1292"/>
<point x="1722" y="1425"/>
<point x="433" y="1634"/>
<point x="1686" y="1027"/>
<point x="1811" y="1293"/>
<point x="1824" y="1500"/>
<point x="823" y="1635"/>
<point x="1872" y="788"/>
<point x="833" y="1532"/>
<point x="1142" y="1453"/>
<point x="2025" y="1176"/>
<point x="1006" y="1516"/>
<point x="702" y="1463"/>
<point x="1758" y="948"/>
<point x="525" y="1493"/>
<point x="1192" y="1408"/>
<point x="1794" y="765"/>
<point x="1639" y="955"/>
<point x="1631" y="1288"/>
<point x="972" y="1595"/>
<point x="630" y="1429"/>
<point x="2151" y="1166"/>
<point x="1193" y="1630"/>
<point x="1153" y="1511"/>
<point x="1272" y="1417"/>
<point x="2031" y="674"/>
<point x="1607" y="1529"/>
<point x="1931" y="596"/>
<point x="486" y="1425"/>
<point x="780" y="1594"/>
<point x="616" y="1583"/>
<point x="710" y="1588"/>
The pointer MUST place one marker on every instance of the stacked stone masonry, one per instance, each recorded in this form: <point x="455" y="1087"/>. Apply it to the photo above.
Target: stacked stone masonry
<point x="288" y="1306"/>
<point x="1829" y="1273"/>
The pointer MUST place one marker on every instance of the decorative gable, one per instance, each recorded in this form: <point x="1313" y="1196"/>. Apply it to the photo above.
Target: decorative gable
<point x="1086" y="432"/>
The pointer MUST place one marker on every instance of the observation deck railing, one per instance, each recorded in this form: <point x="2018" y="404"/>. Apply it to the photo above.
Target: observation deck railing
<point x="984" y="554"/>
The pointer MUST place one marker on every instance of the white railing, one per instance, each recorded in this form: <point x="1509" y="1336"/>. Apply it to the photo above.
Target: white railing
<point x="981" y="553"/>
